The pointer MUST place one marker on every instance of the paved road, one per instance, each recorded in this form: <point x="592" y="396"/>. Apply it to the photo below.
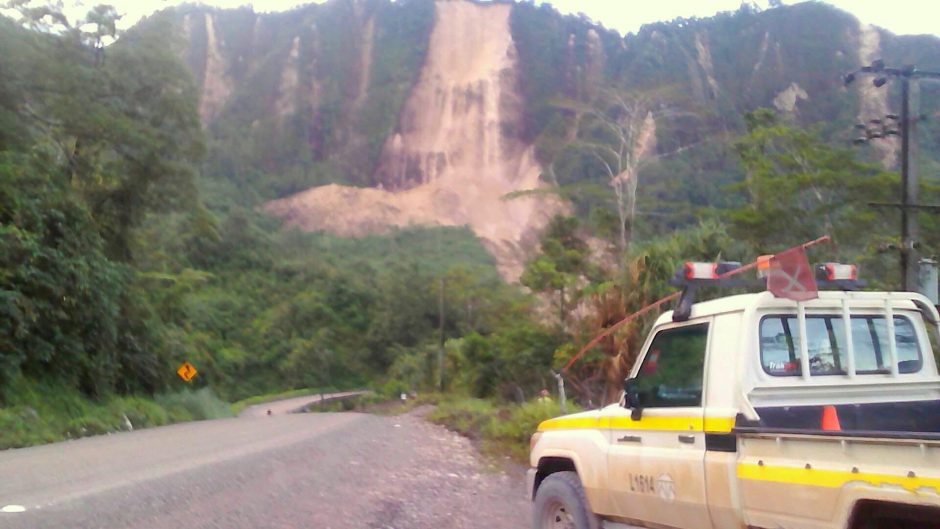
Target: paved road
<point x="288" y="471"/>
<point x="293" y="405"/>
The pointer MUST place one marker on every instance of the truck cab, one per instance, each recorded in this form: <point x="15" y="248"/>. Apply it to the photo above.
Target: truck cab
<point x="757" y="411"/>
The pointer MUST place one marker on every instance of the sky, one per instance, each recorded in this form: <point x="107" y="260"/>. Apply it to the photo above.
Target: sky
<point x="626" y="16"/>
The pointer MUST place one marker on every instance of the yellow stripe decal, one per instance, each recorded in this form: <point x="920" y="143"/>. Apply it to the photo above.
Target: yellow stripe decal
<point x="830" y="478"/>
<point x="687" y="424"/>
<point x="684" y="424"/>
<point x="573" y="423"/>
<point x="719" y="424"/>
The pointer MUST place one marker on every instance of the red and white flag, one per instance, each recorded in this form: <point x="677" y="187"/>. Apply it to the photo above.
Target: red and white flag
<point x="790" y="276"/>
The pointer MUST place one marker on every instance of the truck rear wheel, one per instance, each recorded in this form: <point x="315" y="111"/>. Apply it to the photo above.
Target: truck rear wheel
<point x="560" y="504"/>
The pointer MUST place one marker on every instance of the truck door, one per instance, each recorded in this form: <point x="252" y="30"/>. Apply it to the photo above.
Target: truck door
<point x="656" y="464"/>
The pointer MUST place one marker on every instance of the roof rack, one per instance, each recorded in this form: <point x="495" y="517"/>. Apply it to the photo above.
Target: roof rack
<point x="828" y="276"/>
<point x="693" y="275"/>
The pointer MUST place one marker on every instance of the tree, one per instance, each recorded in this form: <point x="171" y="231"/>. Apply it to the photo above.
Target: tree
<point x="93" y="146"/>
<point x="96" y="29"/>
<point x="642" y="279"/>
<point x="405" y="313"/>
<point x="625" y="137"/>
<point x="60" y="297"/>
<point x="798" y="188"/>
<point x="123" y="127"/>
<point x="562" y="260"/>
<point x="615" y="136"/>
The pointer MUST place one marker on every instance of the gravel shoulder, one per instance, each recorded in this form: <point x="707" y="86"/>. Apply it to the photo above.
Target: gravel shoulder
<point x="458" y="488"/>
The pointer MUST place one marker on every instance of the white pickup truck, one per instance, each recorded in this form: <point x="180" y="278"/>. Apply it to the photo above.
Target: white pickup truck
<point x="753" y="411"/>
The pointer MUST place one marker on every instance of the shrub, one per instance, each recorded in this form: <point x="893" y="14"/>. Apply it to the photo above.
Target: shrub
<point x="196" y="405"/>
<point x="469" y="417"/>
<point x="142" y="413"/>
<point x="22" y="426"/>
<point x="503" y="429"/>
<point x="521" y="421"/>
<point x="87" y="426"/>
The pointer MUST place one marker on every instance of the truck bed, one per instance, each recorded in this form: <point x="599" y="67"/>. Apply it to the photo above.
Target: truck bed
<point x="915" y="419"/>
<point x="815" y="479"/>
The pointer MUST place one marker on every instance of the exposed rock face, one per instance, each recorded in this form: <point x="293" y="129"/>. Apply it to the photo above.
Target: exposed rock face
<point x="787" y="99"/>
<point x="873" y="102"/>
<point x="762" y="54"/>
<point x="216" y="86"/>
<point x="436" y="106"/>
<point x="287" y="89"/>
<point x="454" y="157"/>
<point x="704" y="58"/>
<point x="452" y="122"/>
<point x="365" y="62"/>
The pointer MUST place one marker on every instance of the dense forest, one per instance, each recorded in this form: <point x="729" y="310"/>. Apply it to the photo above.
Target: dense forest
<point x="132" y="236"/>
<point x="121" y="258"/>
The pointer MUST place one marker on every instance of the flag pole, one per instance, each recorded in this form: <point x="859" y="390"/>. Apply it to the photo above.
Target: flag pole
<point x="630" y="317"/>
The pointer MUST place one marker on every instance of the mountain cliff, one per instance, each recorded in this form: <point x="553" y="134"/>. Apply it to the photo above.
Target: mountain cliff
<point x="453" y="156"/>
<point x="354" y="116"/>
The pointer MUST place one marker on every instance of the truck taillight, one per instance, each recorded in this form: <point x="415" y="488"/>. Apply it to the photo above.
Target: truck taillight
<point x="837" y="272"/>
<point x="701" y="270"/>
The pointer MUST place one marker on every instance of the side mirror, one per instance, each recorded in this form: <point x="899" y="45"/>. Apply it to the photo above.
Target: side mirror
<point x="631" y="398"/>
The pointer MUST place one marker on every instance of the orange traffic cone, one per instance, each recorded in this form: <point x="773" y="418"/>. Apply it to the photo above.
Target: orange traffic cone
<point x="830" y="419"/>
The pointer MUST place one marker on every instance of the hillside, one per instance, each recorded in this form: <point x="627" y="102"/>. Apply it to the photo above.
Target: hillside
<point x="439" y="110"/>
<point x="122" y="256"/>
<point x="423" y="148"/>
<point x="451" y="159"/>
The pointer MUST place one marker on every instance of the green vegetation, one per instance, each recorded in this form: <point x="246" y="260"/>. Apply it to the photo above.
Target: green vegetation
<point x="113" y="270"/>
<point x="501" y="428"/>
<point x="790" y="169"/>
<point x="121" y="259"/>
<point x="272" y="141"/>
<point x="101" y="144"/>
<point x="562" y="261"/>
<point x="38" y="412"/>
<point x="700" y="77"/>
<point x="132" y="239"/>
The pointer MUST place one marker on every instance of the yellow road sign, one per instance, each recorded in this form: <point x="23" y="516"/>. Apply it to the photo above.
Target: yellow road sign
<point x="186" y="371"/>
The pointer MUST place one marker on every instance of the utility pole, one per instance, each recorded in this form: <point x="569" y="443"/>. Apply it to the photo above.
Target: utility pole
<point x="440" y="346"/>
<point x="907" y="127"/>
<point x="909" y="259"/>
<point x="440" y="320"/>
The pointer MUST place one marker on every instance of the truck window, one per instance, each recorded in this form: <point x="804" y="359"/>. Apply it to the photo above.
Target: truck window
<point x="932" y="339"/>
<point x="672" y="372"/>
<point x="825" y="336"/>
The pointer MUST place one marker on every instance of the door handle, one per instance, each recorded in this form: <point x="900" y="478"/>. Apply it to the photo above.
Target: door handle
<point x="687" y="439"/>
<point x="630" y="439"/>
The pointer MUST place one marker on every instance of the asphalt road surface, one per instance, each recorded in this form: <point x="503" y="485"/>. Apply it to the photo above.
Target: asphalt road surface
<point x="315" y="470"/>
<point x="293" y="405"/>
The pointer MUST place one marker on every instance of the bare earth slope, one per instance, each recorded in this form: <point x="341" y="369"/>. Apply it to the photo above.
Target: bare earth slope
<point x="454" y="158"/>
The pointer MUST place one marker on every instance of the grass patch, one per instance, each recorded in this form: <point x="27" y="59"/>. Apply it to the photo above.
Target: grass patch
<point x="240" y="405"/>
<point x="44" y="412"/>
<point x="501" y="428"/>
<point x="196" y="405"/>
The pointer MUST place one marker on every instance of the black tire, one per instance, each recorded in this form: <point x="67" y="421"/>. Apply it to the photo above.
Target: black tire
<point x="560" y="504"/>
